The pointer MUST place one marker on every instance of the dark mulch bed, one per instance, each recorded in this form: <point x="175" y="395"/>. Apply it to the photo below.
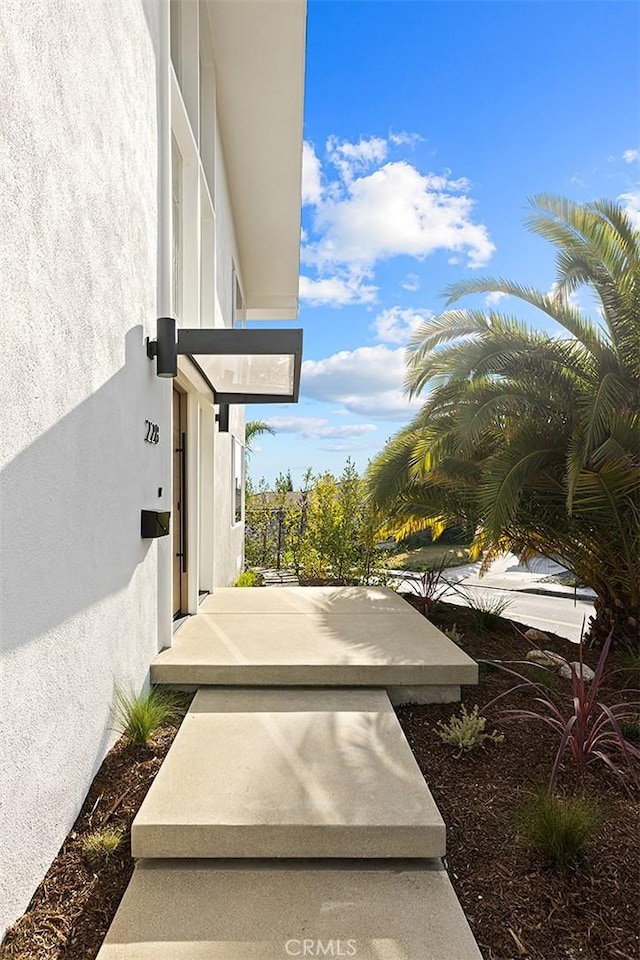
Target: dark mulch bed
<point x="517" y="905"/>
<point x="72" y="909"/>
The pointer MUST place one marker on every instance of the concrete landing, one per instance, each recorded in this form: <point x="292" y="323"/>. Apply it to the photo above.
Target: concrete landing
<point x="198" y="911"/>
<point x="311" y="636"/>
<point x="289" y="773"/>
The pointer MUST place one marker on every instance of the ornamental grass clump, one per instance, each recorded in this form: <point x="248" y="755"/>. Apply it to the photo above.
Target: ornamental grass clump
<point x="558" y="828"/>
<point x="101" y="844"/>
<point x="487" y="612"/>
<point x="138" y="717"/>
<point x="467" y="731"/>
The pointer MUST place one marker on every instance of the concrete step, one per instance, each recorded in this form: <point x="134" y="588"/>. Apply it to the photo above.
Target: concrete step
<point x="289" y="773"/>
<point x="312" y="636"/>
<point x="196" y="910"/>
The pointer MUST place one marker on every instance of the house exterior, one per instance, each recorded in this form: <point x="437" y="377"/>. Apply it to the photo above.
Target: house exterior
<point x="150" y="160"/>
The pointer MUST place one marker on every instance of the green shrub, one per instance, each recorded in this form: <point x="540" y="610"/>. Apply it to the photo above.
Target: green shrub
<point x="467" y="731"/>
<point x="557" y="828"/>
<point x="101" y="844"/>
<point x="249" y="578"/>
<point x="138" y="717"/>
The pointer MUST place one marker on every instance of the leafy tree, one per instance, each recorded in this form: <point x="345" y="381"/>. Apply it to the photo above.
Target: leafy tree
<point x="284" y="483"/>
<point x="297" y="553"/>
<point x="532" y="438"/>
<point x="327" y="530"/>
<point x="260" y="530"/>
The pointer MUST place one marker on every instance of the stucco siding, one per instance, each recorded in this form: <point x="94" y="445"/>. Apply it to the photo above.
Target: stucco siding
<point x="78" y="586"/>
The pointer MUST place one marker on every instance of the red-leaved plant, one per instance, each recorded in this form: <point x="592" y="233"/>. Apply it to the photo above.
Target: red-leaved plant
<point x="589" y="729"/>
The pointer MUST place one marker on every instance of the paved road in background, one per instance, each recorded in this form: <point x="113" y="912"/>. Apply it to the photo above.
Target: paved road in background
<point x="507" y="579"/>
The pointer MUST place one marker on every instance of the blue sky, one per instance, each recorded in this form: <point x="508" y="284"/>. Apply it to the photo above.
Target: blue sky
<point x="427" y="127"/>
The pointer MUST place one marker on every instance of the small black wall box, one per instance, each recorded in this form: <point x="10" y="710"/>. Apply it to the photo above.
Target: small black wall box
<point x="154" y="523"/>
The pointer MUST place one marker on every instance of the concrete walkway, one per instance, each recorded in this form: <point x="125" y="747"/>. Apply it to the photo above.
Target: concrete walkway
<point x="292" y="820"/>
<point x="314" y="636"/>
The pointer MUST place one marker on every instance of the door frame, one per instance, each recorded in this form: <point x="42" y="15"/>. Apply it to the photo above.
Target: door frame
<point x="182" y="516"/>
<point x="199" y="427"/>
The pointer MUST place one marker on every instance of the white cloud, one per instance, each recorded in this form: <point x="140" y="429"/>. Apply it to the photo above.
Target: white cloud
<point x="336" y="291"/>
<point x="351" y="158"/>
<point x="311" y="175"/>
<point x="494" y="298"/>
<point x="397" y="326"/>
<point x="403" y="138"/>
<point x="374" y="209"/>
<point x="397" y="211"/>
<point x="366" y="381"/>
<point x="348" y="446"/>
<point x="631" y="202"/>
<point x="315" y="428"/>
<point x="411" y="282"/>
<point x="630" y="156"/>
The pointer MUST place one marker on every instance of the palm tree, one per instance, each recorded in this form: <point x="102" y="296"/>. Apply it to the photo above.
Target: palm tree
<point x="533" y="437"/>
<point x="253" y="429"/>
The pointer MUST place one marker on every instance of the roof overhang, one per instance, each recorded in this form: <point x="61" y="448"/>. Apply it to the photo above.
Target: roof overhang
<point x="241" y="366"/>
<point x="259" y="55"/>
<point x="247" y="366"/>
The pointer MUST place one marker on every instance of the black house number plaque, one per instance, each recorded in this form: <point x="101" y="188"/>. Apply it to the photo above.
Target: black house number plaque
<point x="153" y="432"/>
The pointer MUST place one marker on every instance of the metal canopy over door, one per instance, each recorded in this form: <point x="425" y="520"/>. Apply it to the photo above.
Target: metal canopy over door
<point x="179" y="502"/>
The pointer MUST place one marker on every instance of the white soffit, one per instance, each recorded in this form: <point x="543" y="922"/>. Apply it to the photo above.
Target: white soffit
<point x="259" y="53"/>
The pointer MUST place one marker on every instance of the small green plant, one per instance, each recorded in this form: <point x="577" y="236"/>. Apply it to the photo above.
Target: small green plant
<point x="467" y="731"/>
<point x="101" y="844"/>
<point x="557" y="828"/>
<point x="138" y="717"/>
<point x="454" y="634"/>
<point x="487" y="612"/>
<point x="249" y="578"/>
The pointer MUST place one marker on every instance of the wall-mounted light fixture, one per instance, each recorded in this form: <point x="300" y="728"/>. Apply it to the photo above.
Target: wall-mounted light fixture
<point x="222" y="418"/>
<point x="241" y="366"/>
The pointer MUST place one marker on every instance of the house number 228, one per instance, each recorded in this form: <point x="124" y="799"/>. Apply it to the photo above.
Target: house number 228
<point x="153" y="432"/>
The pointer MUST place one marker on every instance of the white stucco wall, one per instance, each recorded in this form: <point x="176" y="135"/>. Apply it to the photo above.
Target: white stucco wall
<point x="78" y="587"/>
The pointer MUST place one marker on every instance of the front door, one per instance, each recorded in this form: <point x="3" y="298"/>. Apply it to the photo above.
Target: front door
<point x="179" y="502"/>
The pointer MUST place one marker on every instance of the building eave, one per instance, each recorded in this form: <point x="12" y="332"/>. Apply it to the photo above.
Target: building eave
<point x="259" y="55"/>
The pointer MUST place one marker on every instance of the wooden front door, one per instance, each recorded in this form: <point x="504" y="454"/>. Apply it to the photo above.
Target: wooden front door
<point x="179" y="502"/>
